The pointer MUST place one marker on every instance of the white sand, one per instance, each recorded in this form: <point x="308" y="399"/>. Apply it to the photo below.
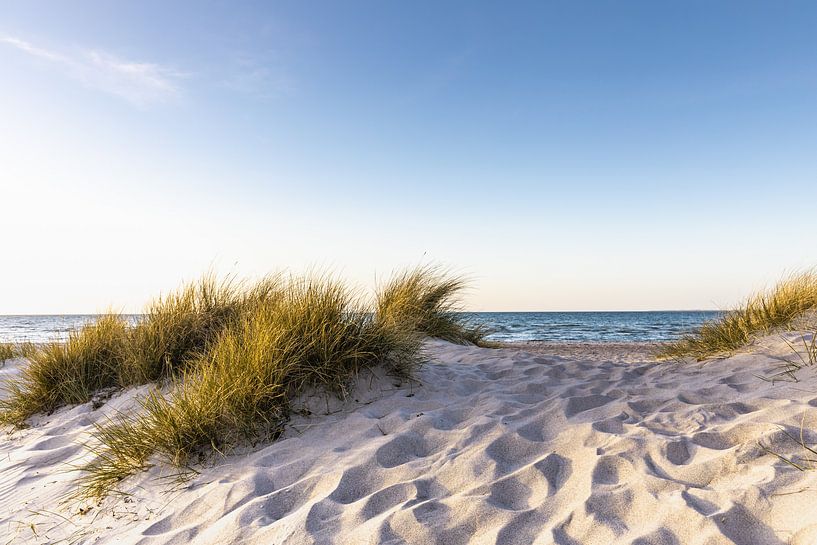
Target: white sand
<point x="496" y="446"/>
<point x="593" y="351"/>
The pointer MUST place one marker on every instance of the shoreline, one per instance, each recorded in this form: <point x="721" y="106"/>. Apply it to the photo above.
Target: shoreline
<point x="626" y="352"/>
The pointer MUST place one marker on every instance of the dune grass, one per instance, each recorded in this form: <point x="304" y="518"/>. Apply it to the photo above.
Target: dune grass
<point x="177" y="330"/>
<point x="316" y="334"/>
<point x="173" y="332"/>
<point x="762" y="313"/>
<point x="7" y="351"/>
<point x="178" y="326"/>
<point x="67" y="373"/>
<point x="228" y="358"/>
<point x="427" y="299"/>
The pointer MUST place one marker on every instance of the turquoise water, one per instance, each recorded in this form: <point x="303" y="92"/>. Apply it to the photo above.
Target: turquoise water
<point x="505" y="326"/>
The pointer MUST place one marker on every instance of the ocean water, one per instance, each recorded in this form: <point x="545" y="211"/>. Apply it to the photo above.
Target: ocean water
<point x="505" y="326"/>
<point x="593" y="326"/>
<point x="44" y="328"/>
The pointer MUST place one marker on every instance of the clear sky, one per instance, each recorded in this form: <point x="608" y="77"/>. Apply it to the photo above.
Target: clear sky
<point x="566" y="155"/>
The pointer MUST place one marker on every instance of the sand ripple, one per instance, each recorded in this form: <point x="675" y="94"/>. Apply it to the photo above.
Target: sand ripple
<point x="495" y="447"/>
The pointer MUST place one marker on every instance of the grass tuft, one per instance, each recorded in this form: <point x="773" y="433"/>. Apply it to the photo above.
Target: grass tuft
<point x="121" y="447"/>
<point x="177" y="327"/>
<point x="426" y="299"/>
<point x="67" y="373"/>
<point x="174" y="332"/>
<point x="760" y="314"/>
<point x="229" y="359"/>
<point x="316" y="333"/>
<point x="7" y="351"/>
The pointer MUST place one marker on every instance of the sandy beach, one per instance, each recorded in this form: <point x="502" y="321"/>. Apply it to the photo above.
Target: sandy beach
<point x="421" y="273"/>
<point x="504" y="446"/>
<point x="626" y="352"/>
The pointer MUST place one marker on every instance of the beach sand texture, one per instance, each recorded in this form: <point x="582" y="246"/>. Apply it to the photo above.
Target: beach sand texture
<point x="495" y="446"/>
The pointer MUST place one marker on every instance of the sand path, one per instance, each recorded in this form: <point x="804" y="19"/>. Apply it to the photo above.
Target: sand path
<point x="495" y="447"/>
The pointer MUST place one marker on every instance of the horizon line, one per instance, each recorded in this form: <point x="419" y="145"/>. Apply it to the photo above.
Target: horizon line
<point x="39" y="314"/>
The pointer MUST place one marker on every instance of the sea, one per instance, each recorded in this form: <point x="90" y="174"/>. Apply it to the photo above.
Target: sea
<point x="618" y="327"/>
<point x="651" y="326"/>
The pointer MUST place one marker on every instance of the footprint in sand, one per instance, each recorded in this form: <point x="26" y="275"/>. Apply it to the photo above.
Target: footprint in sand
<point x="712" y="440"/>
<point x="387" y="498"/>
<point x="678" y="452"/>
<point x="612" y="470"/>
<point x="579" y="404"/>
<point x="613" y="425"/>
<point x="404" y="448"/>
<point x="556" y="469"/>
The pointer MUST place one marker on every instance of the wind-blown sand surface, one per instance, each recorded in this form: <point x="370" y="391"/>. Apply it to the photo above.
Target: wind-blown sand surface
<point x="496" y="446"/>
<point x="637" y="352"/>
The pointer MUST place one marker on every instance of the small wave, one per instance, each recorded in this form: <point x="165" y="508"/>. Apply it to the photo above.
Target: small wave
<point x="592" y="326"/>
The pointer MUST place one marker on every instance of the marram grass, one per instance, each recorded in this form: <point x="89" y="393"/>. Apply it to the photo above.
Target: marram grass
<point x="67" y="373"/>
<point x="7" y="352"/>
<point x="762" y="313"/>
<point x="173" y="332"/>
<point x="228" y="358"/>
<point x="178" y="326"/>
<point x="427" y="299"/>
<point x="178" y="329"/>
<point x="317" y="334"/>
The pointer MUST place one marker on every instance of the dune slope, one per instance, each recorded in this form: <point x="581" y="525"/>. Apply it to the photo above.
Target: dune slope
<point x="495" y="446"/>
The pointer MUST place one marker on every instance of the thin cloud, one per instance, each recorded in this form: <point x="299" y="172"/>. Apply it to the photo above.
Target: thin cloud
<point x="31" y="50"/>
<point x="140" y="83"/>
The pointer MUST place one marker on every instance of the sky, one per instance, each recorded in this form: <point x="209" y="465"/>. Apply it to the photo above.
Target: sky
<point x="563" y="155"/>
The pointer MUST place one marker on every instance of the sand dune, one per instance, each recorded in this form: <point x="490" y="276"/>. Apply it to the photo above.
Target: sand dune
<point x="495" y="446"/>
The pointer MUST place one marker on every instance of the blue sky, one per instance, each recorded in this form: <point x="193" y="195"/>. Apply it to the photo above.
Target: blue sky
<point x="565" y="155"/>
